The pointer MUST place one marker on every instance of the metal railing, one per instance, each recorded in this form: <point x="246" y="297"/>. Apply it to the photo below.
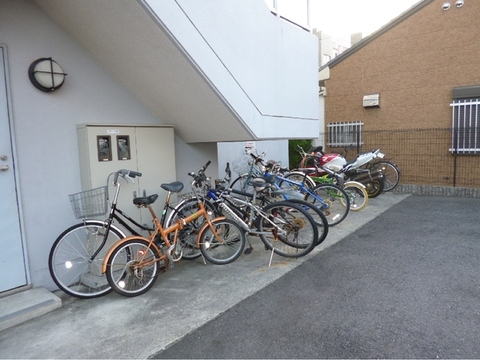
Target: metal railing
<point x="424" y="156"/>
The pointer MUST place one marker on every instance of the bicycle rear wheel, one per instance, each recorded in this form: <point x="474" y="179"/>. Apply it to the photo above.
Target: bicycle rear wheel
<point x="301" y="231"/>
<point x="70" y="260"/>
<point x="357" y="194"/>
<point x="391" y="174"/>
<point x="332" y="200"/>
<point x="230" y="247"/>
<point x="317" y="215"/>
<point x="375" y="188"/>
<point x="188" y="235"/>
<point x="133" y="267"/>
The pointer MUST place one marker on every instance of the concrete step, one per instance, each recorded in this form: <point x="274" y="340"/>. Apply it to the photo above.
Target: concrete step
<point x="23" y="306"/>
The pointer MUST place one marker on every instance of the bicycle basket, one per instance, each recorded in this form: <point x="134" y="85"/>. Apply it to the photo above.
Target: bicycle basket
<point x="89" y="203"/>
<point x="242" y="164"/>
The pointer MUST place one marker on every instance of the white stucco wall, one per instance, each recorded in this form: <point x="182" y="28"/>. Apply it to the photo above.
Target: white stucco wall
<point x="266" y="72"/>
<point x="232" y="151"/>
<point x="45" y="123"/>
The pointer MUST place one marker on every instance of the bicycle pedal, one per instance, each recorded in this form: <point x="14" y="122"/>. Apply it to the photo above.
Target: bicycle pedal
<point x="248" y="251"/>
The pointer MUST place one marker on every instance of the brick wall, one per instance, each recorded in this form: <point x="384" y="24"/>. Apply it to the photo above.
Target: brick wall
<point x="414" y="66"/>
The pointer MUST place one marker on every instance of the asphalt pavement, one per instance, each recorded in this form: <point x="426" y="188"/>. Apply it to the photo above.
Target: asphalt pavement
<point x="406" y="285"/>
<point x="396" y="280"/>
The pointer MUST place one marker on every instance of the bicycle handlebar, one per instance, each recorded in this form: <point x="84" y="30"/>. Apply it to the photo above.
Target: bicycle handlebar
<point x="126" y="174"/>
<point x="200" y="177"/>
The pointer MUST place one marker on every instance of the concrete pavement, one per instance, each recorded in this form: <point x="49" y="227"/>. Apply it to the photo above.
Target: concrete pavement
<point x="182" y="300"/>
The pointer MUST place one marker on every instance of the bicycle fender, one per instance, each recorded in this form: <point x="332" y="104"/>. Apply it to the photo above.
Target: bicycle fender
<point x="354" y="182"/>
<point x="120" y="242"/>
<point x="206" y="225"/>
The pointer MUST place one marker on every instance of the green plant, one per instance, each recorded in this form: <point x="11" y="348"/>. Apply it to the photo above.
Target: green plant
<point x="293" y="155"/>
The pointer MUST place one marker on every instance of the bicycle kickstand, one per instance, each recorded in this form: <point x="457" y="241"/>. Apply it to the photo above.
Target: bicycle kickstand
<point x="248" y="250"/>
<point x="203" y="260"/>
<point x="271" y="256"/>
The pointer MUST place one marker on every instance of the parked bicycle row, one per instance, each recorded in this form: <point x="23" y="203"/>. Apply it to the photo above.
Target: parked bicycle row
<point x="291" y="214"/>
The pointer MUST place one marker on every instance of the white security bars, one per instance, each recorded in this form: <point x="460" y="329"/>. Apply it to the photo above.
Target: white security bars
<point x="345" y="133"/>
<point x="465" y="126"/>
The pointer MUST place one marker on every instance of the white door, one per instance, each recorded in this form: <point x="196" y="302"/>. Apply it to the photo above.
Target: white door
<point x="12" y="259"/>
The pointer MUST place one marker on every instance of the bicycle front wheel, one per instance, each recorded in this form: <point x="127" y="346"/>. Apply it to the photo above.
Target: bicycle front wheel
<point x="133" y="267"/>
<point x="229" y="244"/>
<point x="332" y="200"/>
<point x="297" y="177"/>
<point x="70" y="260"/>
<point x="287" y="229"/>
<point x="357" y="195"/>
<point x="241" y="183"/>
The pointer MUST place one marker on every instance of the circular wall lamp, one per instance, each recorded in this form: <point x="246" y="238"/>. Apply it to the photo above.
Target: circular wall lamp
<point x="446" y="6"/>
<point x="46" y="75"/>
<point x="459" y="3"/>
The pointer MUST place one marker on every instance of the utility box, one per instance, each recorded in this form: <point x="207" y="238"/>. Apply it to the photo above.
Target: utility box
<point x="148" y="149"/>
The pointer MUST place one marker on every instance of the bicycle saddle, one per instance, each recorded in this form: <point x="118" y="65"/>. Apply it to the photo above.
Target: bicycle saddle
<point x="270" y="179"/>
<point x="145" y="200"/>
<point x="258" y="184"/>
<point x="175" y="186"/>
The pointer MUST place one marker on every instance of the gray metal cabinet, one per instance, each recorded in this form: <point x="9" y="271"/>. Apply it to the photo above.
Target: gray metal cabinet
<point x="104" y="149"/>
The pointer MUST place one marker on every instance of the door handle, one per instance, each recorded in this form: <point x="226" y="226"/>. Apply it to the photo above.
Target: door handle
<point x="3" y="167"/>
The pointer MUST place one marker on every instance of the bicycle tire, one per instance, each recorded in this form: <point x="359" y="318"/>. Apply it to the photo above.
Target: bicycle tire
<point x="357" y="194"/>
<point x="338" y="203"/>
<point x="187" y="237"/>
<point x="231" y="246"/>
<point x="70" y="264"/>
<point x="133" y="267"/>
<point x="302" y="231"/>
<point x="390" y="172"/>
<point x="299" y="177"/>
<point x="318" y="217"/>
<point x="240" y="183"/>
<point x="374" y="188"/>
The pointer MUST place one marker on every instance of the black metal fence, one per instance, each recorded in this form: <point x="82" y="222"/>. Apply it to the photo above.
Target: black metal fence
<point x="424" y="156"/>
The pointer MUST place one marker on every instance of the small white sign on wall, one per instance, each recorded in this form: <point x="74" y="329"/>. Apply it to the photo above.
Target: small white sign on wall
<point x="250" y="145"/>
<point x="372" y="100"/>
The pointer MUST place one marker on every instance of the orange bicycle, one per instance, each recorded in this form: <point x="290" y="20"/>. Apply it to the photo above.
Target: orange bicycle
<point x="132" y="264"/>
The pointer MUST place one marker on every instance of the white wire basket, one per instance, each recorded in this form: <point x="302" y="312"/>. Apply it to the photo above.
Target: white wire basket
<point x="89" y="203"/>
<point x="242" y="164"/>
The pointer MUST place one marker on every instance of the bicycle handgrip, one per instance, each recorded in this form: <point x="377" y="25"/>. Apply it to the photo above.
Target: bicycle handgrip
<point x="122" y="172"/>
<point x="257" y="159"/>
<point x="133" y="174"/>
<point x="228" y="171"/>
<point x="206" y="165"/>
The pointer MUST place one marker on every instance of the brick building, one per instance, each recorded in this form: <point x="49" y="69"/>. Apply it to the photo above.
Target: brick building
<point x="413" y="89"/>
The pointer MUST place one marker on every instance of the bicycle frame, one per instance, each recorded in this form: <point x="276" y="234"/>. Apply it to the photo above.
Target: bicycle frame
<point x="224" y="197"/>
<point x="255" y="172"/>
<point x="302" y="187"/>
<point x="126" y="221"/>
<point x="123" y="219"/>
<point x="159" y="230"/>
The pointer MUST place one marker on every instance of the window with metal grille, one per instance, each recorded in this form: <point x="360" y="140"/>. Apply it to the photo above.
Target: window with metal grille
<point x="345" y="134"/>
<point x="466" y="121"/>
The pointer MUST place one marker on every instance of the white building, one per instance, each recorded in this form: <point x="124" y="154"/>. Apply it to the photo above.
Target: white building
<point x="217" y="71"/>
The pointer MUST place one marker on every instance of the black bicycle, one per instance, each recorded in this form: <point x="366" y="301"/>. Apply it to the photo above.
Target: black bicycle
<point x="77" y="255"/>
